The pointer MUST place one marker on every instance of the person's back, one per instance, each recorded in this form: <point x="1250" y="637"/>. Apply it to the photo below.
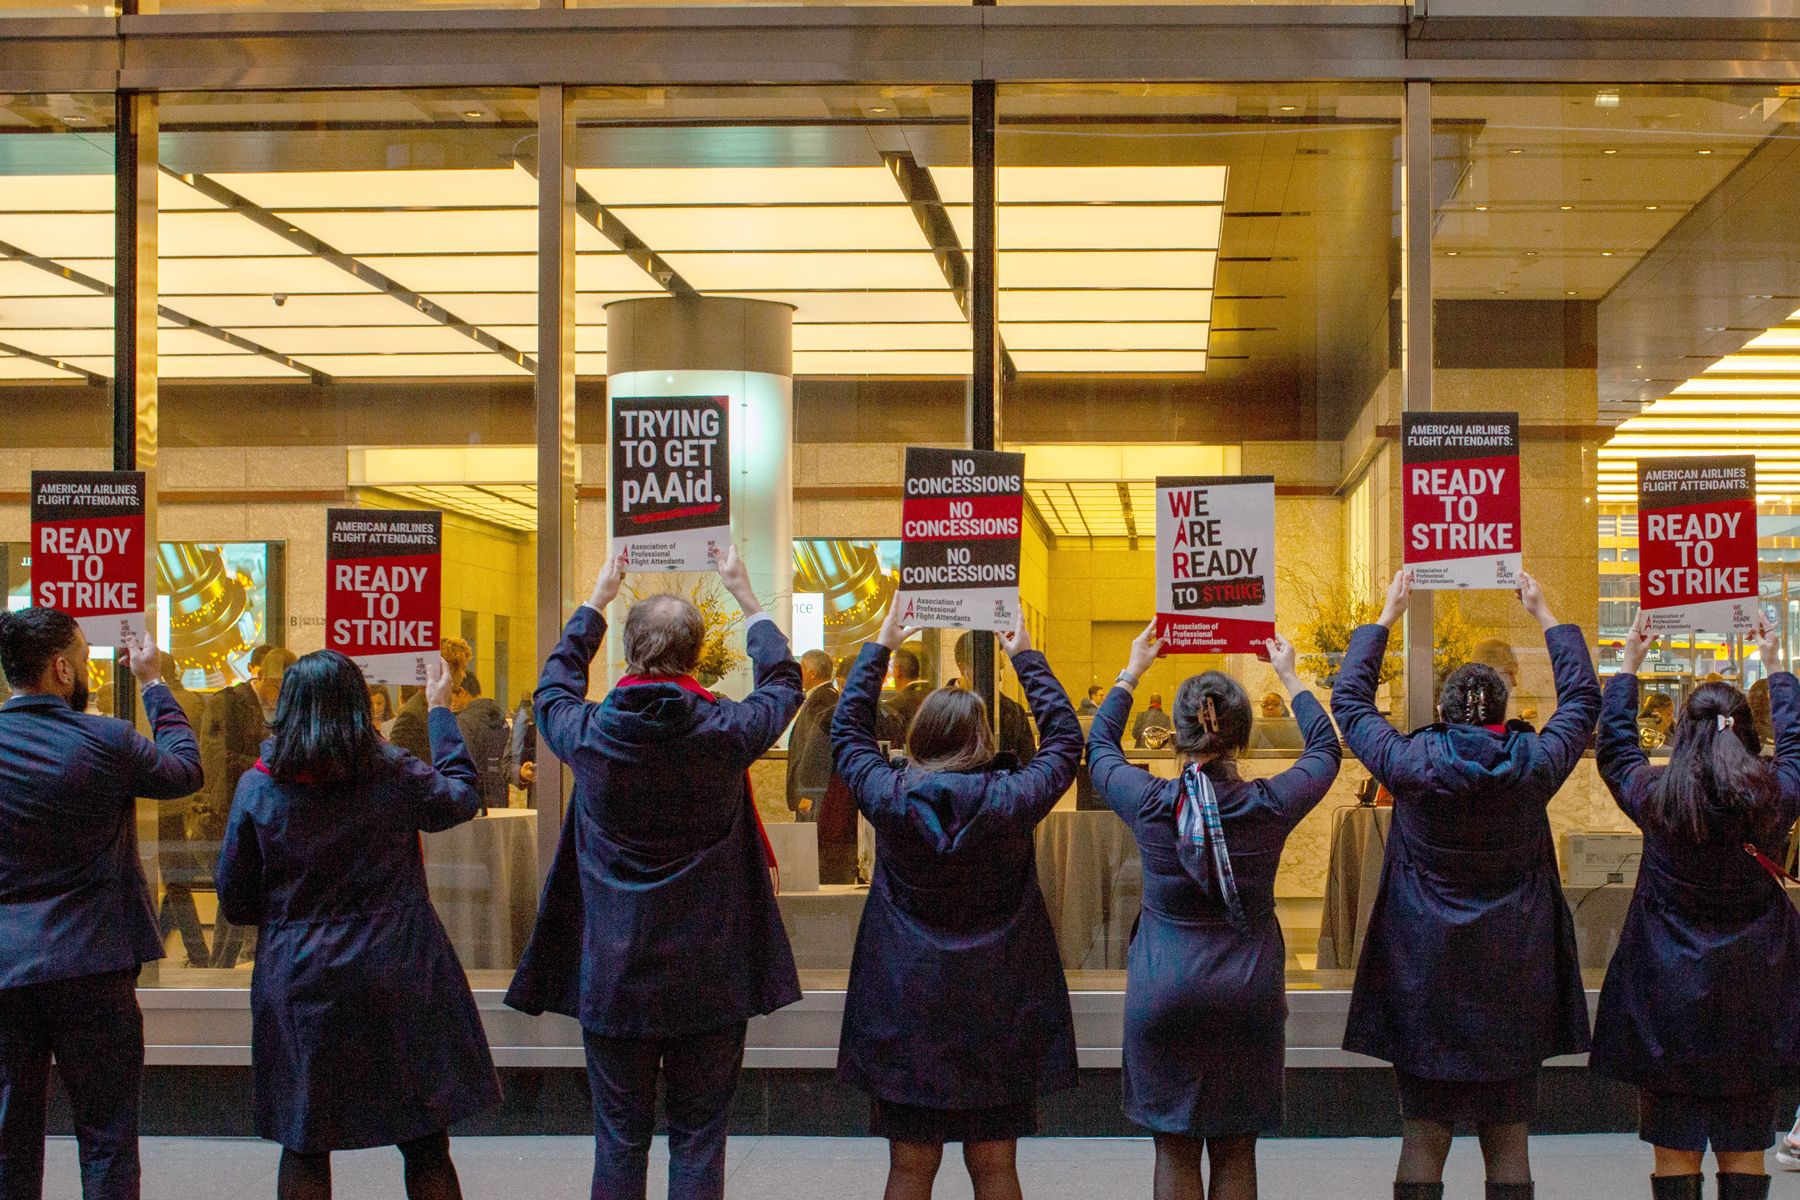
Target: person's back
<point x="1698" y="1008"/>
<point x="954" y="919"/>
<point x="658" y="929"/>
<point x="1469" y="894"/>
<point x="364" y="1030"/>
<point x="75" y="915"/>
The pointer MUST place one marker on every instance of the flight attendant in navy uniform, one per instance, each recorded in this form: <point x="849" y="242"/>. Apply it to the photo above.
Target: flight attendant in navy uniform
<point x="1469" y="978"/>
<point x="364" y="1030"/>
<point x="1701" y="1008"/>
<point x="1206" y="986"/>
<point x="658" y="929"/>
<point x="957" y="1015"/>
<point x="75" y="915"/>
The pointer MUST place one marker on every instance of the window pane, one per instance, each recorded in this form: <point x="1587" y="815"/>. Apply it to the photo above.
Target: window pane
<point x="836" y="212"/>
<point x="355" y="283"/>
<point x="1197" y="280"/>
<point x="1614" y="263"/>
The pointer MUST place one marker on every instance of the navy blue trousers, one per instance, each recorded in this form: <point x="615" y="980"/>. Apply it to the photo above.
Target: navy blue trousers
<point x="93" y="1028"/>
<point x="699" y="1075"/>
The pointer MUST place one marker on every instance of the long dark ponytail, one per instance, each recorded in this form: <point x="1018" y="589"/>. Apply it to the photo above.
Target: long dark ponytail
<point x="1714" y="773"/>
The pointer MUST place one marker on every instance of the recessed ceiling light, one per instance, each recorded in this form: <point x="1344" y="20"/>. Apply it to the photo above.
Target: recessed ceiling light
<point x="1607" y="99"/>
<point x="472" y="113"/>
<point x="75" y="119"/>
<point x="1515" y="150"/>
<point x="879" y="108"/>
<point x="1570" y="292"/>
<point x="1609" y="151"/>
<point x="1566" y="207"/>
<point x="1715" y="329"/>
<point x="1651" y="207"/>
<point x="1606" y="254"/>
<point x="1290" y="108"/>
<point x="1452" y="253"/>
<point x="1481" y="208"/>
<point x="1531" y="254"/>
<point x="1703" y="152"/>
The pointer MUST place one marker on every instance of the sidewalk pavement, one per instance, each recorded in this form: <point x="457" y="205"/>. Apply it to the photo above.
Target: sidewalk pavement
<point x="1585" y="1167"/>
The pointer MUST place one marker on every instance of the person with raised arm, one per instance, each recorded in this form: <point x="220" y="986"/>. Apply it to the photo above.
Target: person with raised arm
<point x="658" y="929"/>
<point x="1469" y="977"/>
<point x="1205" y="986"/>
<point x="364" y="1031"/>
<point x="1699" y="1010"/>
<point x="75" y="916"/>
<point x="957" y="1015"/>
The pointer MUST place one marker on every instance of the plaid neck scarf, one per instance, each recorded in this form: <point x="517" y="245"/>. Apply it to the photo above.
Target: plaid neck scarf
<point x="1201" y="841"/>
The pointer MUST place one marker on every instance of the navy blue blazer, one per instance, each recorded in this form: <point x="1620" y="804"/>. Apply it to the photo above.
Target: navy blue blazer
<point x="1703" y="995"/>
<point x="957" y="997"/>
<point x="364" y="1032"/>
<point x="1206" y="1004"/>
<point x="658" y="918"/>
<point x="1469" y="972"/>
<point x="73" y="900"/>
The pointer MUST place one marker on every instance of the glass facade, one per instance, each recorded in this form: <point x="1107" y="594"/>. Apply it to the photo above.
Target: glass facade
<point x="1188" y="278"/>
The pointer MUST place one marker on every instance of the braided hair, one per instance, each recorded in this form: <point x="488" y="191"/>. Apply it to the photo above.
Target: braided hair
<point x="1212" y="717"/>
<point x="1474" y="694"/>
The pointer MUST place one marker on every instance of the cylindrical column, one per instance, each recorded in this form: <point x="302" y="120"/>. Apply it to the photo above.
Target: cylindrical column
<point x="743" y="350"/>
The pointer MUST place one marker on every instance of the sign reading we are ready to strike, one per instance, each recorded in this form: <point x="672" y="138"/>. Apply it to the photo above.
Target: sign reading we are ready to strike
<point x="1215" y="564"/>
<point x="87" y="551"/>
<point x="1459" y="506"/>
<point x="1697" y="567"/>
<point x="383" y="587"/>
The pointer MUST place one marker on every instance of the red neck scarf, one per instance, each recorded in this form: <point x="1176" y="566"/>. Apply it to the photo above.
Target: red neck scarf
<point x="689" y="684"/>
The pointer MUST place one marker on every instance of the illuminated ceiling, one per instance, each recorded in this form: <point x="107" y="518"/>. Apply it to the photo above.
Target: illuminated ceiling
<point x="1748" y="402"/>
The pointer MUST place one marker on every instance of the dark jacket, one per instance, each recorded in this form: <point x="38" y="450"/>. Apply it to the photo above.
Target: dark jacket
<point x="809" y="751"/>
<point x="231" y="733"/>
<point x="411" y="730"/>
<point x="521" y="748"/>
<point x="73" y="900"/>
<point x="483" y="728"/>
<point x="905" y="703"/>
<point x="1469" y="971"/>
<point x="957" y="997"/>
<point x="1703" y="995"/>
<point x="1206" y="1003"/>
<point x="1151" y="718"/>
<point x="659" y="918"/>
<point x="364" y="1032"/>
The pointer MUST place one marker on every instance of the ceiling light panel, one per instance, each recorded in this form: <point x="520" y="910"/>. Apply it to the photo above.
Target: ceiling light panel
<point x="487" y="231"/>
<point x="881" y="362"/>
<point x="207" y="366"/>
<point x="259" y="310"/>
<point x="57" y="234"/>
<point x="957" y="337"/>
<point x="624" y="187"/>
<point x="830" y="270"/>
<point x="1089" y="185"/>
<point x="863" y="228"/>
<point x="12" y="367"/>
<point x="401" y="366"/>
<point x="1107" y="335"/>
<point x="838" y="307"/>
<point x="19" y="280"/>
<point x="251" y="276"/>
<point x="86" y="310"/>
<point x="1090" y="227"/>
<point x="459" y="272"/>
<point x="58" y="193"/>
<point x="1191" y="270"/>
<point x="431" y="189"/>
<point x="1093" y="304"/>
<point x="368" y="339"/>
<point x="1146" y="362"/>
<point x="216" y="234"/>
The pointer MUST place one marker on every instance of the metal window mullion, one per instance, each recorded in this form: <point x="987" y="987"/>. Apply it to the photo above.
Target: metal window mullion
<point x="1416" y="361"/>
<point x="984" y="378"/>
<point x="555" y="415"/>
<point x="134" y="409"/>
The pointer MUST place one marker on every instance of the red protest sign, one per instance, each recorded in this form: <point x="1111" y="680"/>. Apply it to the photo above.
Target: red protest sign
<point x="1459" y="505"/>
<point x="383" y="587"/>
<point x="1697" y="565"/>
<point x="87" y="550"/>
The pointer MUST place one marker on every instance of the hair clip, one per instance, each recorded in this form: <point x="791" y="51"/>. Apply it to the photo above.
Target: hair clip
<point x="1727" y="723"/>
<point x="1209" y="716"/>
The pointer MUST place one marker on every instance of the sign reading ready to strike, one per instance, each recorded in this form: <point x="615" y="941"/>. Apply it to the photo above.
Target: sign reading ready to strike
<point x="1697" y="543"/>
<point x="384" y="577"/>
<point x="671" y="481"/>
<point x="1460" y="499"/>
<point x="960" y="523"/>
<point x="87" y="550"/>
<point x="1215" y="564"/>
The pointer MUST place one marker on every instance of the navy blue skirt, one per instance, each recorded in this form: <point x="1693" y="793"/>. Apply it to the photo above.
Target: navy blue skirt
<point x="1728" y="1124"/>
<point x="935" y="1126"/>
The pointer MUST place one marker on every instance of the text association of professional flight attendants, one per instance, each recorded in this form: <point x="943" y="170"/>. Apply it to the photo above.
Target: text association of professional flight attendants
<point x="658" y="929"/>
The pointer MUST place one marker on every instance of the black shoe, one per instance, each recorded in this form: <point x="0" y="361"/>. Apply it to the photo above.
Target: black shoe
<point x="1743" y="1187"/>
<point x="1676" y="1187"/>
<point x="1418" y="1191"/>
<point x="1511" y="1191"/>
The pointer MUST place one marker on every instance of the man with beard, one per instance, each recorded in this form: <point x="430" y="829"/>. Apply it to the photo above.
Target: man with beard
<point x="75" y="915"/>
